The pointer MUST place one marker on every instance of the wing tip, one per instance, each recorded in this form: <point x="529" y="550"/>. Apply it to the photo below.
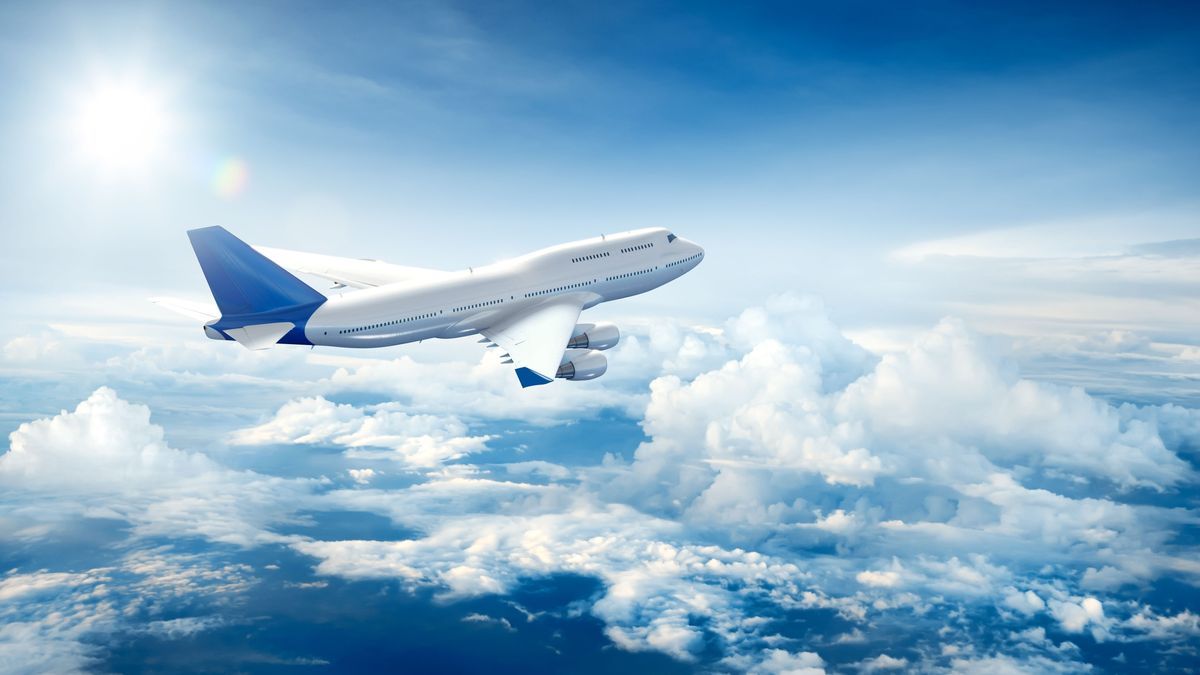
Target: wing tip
<point x="531" y="378"/>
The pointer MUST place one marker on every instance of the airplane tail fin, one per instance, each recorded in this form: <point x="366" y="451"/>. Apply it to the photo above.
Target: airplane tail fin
<point x="244" y="281"/>
<point x="260" y="302"/>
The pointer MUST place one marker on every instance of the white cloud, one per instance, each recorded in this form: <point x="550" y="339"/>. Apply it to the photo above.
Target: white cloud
<point x="106" y="459"/>
<point x="802" y="321"/>
<point x="1000" y="664"/>
<point x="761" y="414"/>
<point x="881" y="663"/>
<point x="1146" y="624"/>
<point x="18" y="587"/>
<point x="840" y="522"/>
<point x="946" y="411"/>
<point x="1108" y="577"/>
<point x="1027" y="603"/>
<point x="500" y="622"/>
<point x="30" y="349"/>
<point x="413" y="440"/>
<point x="104" y="445"/>
<point x="1074" y="616"/>
<point x="948" y="386"/>
<point x="538" y="467"/>
<point x="782" y="662"/>
<point x="884" y="579"/>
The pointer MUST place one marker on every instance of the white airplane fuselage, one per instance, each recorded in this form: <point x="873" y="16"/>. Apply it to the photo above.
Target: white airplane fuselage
<point x="463" y="303"/>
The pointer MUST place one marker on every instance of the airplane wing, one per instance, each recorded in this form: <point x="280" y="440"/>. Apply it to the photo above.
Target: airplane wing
<point x="353" y="272"/>
<point x="536" y="338"/>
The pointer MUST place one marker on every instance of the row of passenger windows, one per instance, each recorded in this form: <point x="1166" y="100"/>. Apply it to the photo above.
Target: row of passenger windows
<point x="639" y="247"/>
<point x="593" y="256"/>
<point x="531" y="294"/>
<point x="478" y="305"/>
<point x="390" y="323"/>
<point x="534" y="294"/>
<point x="687" y="259"/>
<point x="631" y="274"/>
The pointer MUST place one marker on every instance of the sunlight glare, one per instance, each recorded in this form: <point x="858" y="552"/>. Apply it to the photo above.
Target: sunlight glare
<point x="120" y="126"/>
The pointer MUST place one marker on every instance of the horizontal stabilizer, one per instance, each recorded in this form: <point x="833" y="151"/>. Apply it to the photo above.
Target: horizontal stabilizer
<point x="260" y="336"/>
<point x="200" y="311"/>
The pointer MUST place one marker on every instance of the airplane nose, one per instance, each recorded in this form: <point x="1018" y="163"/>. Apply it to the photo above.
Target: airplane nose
<point x="692" y="249"/>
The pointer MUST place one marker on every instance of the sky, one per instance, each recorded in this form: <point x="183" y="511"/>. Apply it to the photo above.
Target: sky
<point x="929" y="404"/>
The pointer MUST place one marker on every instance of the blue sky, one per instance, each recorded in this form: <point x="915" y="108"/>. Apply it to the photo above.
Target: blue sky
<point x="929" y="403"/>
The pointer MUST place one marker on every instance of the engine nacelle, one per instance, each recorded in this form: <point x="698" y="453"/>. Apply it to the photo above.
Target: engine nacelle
<point x="602" y="335"/>
<point x="582" y="364"/>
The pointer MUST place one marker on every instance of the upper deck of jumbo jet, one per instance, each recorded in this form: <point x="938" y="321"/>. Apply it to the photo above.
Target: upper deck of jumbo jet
<point x="620" y="242"/>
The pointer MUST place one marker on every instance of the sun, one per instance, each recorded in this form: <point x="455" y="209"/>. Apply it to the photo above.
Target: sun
<point x="120" y="126"/>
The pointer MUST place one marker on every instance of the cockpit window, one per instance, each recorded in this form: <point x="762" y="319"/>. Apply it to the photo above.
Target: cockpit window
<point x="671" y="237"/>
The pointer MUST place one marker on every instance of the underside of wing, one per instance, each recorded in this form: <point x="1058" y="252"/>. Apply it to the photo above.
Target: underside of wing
<point x="352" y="272"/>
<point x="535" y="339"/>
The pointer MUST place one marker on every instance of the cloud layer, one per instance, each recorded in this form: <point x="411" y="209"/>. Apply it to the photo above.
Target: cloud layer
<point x="787" y="477"/>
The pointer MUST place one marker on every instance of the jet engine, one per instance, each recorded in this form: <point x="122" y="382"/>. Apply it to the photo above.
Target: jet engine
<point x="582" y="364"/>
<point x="601" y="335"/>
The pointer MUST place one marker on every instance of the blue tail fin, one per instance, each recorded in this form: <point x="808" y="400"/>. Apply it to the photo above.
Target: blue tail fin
<point x="244" y="281"/>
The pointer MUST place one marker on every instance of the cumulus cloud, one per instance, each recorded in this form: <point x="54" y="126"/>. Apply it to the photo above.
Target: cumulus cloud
<point x="104" y="444"/>
<point x="947" y="386"/>
<point x="802" y="321"/>
<point x="1027" y="603"/>
<point x="106" y="459"/>
<point x="717" y="439"/>
<point x="782" y="662"/>
<point x="882" y="663"/>
<point x="1074" y="616"/>
<point x="413" y="440"/>
<point x="879" y="579"/>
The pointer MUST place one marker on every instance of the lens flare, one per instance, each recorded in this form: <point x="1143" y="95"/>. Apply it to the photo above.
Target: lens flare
<point x="231" y="177"/>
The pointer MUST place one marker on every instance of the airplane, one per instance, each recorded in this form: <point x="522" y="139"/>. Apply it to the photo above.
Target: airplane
<point x="528" y="306"/>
